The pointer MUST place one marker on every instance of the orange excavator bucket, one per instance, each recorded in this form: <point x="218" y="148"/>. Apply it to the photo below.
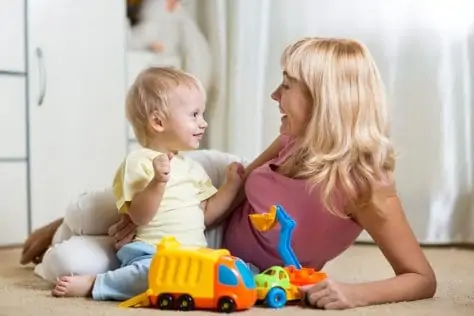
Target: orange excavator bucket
<point x="304" y="276"/>
<point x="265" y="221"/>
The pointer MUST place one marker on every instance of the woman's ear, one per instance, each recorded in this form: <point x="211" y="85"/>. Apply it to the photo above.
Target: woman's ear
<point x="156" y="122"/>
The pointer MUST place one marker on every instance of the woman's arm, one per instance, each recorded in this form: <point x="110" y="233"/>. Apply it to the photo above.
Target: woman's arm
<point x="387" y="225"/>
<point x="414" y="278"/>
<point x="271" y="152"/>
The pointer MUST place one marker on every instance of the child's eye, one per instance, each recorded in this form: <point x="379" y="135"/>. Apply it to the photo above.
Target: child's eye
<point x="195" y="114"/>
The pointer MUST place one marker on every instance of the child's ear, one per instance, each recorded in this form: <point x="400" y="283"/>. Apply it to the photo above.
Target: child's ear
<point x="156" y="122"/>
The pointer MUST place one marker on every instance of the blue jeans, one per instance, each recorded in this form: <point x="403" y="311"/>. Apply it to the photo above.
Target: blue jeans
<point x="130" y="279"/>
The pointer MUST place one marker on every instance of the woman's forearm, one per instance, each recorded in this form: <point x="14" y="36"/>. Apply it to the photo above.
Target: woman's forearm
<point x="271" y="152"/>
<point x="404" y="287"/>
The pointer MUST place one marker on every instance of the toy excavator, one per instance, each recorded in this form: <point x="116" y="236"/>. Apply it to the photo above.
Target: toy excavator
<point x="278" y="285"/>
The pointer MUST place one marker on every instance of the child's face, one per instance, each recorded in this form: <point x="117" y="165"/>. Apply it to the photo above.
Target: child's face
<point x="185" y="125"/>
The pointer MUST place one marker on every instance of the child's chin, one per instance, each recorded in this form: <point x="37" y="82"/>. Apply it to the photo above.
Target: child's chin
<point x="192" y="147"/>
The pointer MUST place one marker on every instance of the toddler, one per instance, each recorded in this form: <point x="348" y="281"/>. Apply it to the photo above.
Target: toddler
<point x="163" y="192"/>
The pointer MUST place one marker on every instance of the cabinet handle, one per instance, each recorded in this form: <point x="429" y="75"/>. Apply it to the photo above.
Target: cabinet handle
<point x="42" y="75"/>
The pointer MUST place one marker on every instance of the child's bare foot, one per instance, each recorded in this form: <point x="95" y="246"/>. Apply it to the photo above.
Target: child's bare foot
<point x="78" y="285"/>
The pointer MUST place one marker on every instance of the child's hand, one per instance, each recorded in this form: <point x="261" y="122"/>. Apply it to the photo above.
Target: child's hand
<point x="235" y="174"/>
<point x="161" y="166"/>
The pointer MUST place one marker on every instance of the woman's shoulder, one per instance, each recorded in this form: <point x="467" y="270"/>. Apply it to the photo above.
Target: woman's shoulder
<point x="383" y="192"/>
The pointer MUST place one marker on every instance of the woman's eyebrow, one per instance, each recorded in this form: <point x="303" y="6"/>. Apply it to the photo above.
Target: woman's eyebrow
<point x="287" y="76"/>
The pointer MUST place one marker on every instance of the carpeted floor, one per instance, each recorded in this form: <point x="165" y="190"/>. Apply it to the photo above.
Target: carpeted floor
<point x="21" y="293"/>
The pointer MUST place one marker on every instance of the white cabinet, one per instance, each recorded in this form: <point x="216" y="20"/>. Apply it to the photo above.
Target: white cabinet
<point x="76" y="71"/>
<point x="14" y="211"/>
<point x="12" y="39"/>
<point x="13" y="114"/>
<point x="62" y="87"/>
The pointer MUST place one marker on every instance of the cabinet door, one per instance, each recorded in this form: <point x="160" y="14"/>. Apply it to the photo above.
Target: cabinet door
<point x="76" y="54"/>
<point x="13" y="189"/>
<point x="12" y="112"/>
<point x="12" y="35"/>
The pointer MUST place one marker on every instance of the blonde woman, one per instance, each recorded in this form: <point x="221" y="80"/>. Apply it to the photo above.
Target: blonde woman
<point x="332" y="169"/>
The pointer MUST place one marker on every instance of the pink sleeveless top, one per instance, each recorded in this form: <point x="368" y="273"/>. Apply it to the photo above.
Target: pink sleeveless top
<point x="318" y="236"/>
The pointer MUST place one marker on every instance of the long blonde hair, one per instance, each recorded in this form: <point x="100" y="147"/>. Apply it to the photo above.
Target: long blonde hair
<point x="345" y="150"/>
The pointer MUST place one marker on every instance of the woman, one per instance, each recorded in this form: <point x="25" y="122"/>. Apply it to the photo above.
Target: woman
<point x="332" y="169"/>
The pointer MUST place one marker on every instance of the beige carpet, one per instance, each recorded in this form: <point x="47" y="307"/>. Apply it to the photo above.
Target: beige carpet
<point x="21" y="293"/>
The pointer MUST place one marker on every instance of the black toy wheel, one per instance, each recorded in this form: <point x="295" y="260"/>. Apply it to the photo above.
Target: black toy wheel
<point x="185" y="303"/>
<point x="165" y="302"/>
<point x="226" y="305"/>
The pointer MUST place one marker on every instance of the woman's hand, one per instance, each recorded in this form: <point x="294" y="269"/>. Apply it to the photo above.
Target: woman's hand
<point x="123" y="231"/>
<point x="330" y="294"/>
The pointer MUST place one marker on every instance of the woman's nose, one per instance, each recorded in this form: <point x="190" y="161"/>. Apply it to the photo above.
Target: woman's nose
<point x="275" y="95"/>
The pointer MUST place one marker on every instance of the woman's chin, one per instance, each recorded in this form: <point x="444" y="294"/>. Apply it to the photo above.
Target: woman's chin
<point x="285" y="130"/>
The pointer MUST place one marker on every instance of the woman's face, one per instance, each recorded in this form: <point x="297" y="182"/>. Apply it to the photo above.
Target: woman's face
<point x="295" y="106"/>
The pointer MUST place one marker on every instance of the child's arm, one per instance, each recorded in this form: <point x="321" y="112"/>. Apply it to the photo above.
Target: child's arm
<point x="142" y="188"/>
<point x="270" y="153"/>
<point x="216" y="206"/>
<point x="144" y="204"/>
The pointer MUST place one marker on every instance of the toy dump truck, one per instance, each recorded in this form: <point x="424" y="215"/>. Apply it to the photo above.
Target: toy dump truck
<point x="187" y="279"/>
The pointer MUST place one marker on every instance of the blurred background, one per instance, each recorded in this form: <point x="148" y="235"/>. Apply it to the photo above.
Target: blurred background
<point x="65" y="67"/>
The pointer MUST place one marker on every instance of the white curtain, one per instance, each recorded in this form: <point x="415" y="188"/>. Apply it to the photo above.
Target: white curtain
<point x="425" y="52"/>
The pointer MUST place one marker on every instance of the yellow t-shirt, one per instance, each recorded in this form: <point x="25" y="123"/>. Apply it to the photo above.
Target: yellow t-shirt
<point x="179" y="213"/>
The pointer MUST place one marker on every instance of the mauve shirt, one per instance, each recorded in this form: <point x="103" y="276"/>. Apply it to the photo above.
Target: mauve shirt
<point x="318" y="236"/>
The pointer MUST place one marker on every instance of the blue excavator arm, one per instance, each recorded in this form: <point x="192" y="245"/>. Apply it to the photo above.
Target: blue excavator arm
<point x="287" y="225"/>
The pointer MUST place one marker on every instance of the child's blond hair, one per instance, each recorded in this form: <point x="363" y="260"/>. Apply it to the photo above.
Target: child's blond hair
<point x="346" y="147"/>
<point x="150" y="94"/>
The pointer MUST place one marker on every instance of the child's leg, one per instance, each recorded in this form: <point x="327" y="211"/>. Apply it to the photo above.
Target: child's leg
<point x="123" y="283"/>
<point x="92" y="214"/>
<point x="129" y="280"/>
